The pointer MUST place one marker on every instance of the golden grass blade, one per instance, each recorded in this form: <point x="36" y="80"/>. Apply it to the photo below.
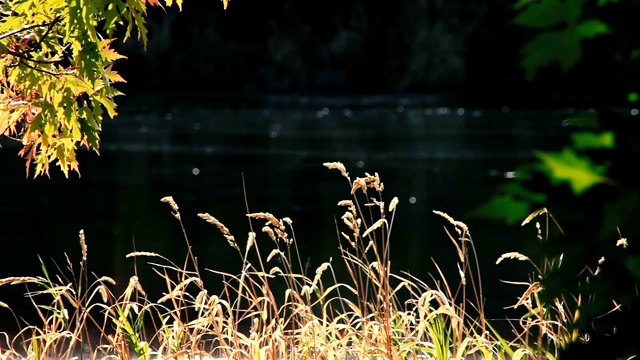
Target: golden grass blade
<point x="521" y="353"/>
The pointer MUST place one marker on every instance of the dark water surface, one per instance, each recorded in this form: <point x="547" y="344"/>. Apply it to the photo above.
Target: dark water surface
<point x="198" y="149"/>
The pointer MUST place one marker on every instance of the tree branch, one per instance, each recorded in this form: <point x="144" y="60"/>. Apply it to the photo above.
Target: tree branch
<point x="29" y="27"/>
<point x="51" y="25"/>
<point x="47" y="71"/>
<point x="24" y="56"/>
<point x="11" y="138"/>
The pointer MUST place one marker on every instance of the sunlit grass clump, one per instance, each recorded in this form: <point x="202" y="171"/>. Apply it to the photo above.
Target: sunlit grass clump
<point x="272" y="309"/>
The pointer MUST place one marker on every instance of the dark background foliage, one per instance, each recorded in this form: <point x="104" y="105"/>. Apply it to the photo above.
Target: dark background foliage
<point x="468" y="48"/>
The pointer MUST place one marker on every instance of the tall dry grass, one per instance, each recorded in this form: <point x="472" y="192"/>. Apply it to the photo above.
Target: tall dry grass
<point x="375" y="314"/>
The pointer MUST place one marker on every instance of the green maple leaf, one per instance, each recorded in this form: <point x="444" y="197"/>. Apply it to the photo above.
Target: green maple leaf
<point x="578" y="171"/>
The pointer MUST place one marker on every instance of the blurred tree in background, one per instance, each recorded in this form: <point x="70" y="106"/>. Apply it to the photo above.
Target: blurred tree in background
<point x="325" y="47"/>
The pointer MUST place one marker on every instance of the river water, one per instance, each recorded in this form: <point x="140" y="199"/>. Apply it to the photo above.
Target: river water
<point x="431" y="154"/>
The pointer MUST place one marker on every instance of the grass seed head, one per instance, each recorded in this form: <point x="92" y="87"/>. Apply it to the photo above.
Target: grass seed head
<point x="211" y="220"/>
<point x="512" y="255"/>
<point x="458" y="224"/>
<point x="251" y="239"/>
<point x="393" y="204"/>
<point x="15" y="280"/>
<point x="223" y="229"/>
<point x="104" y="293"/>
<point x="533" y="215"/>
<point x="337" y="166"/>
<point x="532" y="289"/>
<point x="174" y="206"/>
<point x="143" y="253"/>
<point x="622" y="242"/>
<point x="169" y="200"/>
<point x="274" y="252"/>
<point x="373" y="227"/>
<point x="269" y="217"/>
<point x="83" y="246"/>
<point x="134" y="284"/>
<point x="269" y="232"/>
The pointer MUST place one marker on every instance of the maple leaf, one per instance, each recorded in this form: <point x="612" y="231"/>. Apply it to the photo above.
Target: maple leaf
<point x="4" y="123"/>
<point x="29" y="151"/>
<point x="567" y="166"/>
<point x="113" y="76"/>
<point x="108" y="52"/>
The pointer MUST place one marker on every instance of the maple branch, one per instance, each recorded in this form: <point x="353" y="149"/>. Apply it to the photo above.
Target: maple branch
<point x="24" y="56"/>
<point x="29" y="27"/>
<point x="56" y="20"/>
<point x="11" y="138"/>
<point x="47" y="71"/>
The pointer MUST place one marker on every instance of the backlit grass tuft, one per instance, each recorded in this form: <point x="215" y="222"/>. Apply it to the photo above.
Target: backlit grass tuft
<point x="375" y="314"/>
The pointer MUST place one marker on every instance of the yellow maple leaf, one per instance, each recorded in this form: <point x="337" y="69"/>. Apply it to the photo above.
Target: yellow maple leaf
<point x="113" y="76"/>
<point x="108" y="52"/>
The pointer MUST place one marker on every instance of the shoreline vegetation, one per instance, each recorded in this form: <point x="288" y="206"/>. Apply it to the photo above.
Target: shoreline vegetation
<point x="276" y="308"/>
